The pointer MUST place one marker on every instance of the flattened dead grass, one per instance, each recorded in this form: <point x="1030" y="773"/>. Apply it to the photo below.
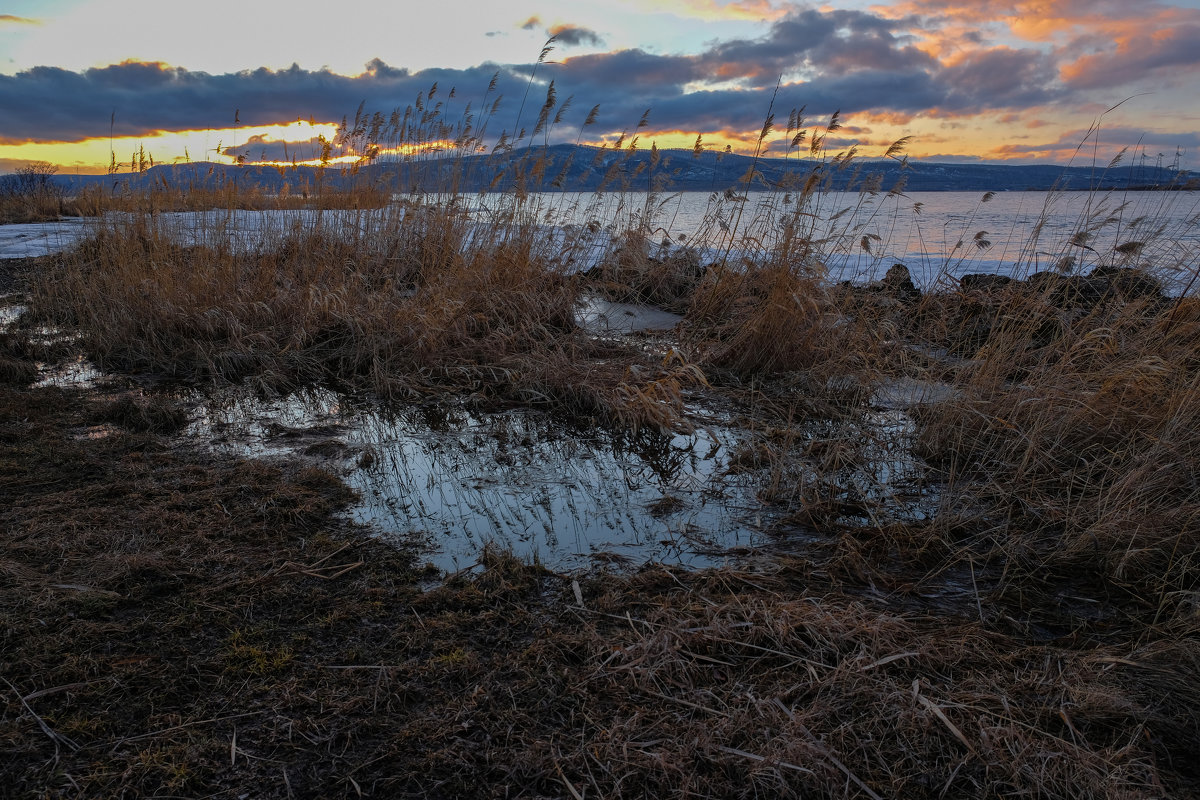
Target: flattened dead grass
<point x="178" y="625"/>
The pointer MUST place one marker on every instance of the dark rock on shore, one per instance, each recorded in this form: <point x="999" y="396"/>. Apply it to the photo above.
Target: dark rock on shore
<point x="1102" y="285"/>
<point x="1073" y="291"/>
<point x="1045" y="304"/>
<point x="984" y="282"/>
<point x="1130" y="283"/>
<point x="898" y="284"/>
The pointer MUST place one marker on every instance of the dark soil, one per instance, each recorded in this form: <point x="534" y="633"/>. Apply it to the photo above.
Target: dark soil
<point x="180" y="625"/>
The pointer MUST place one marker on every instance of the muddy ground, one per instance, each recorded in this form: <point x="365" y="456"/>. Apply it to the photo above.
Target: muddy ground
<point x="176" y="624"/>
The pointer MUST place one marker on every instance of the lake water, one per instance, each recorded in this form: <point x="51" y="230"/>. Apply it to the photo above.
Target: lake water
<point x="938" y="235"/>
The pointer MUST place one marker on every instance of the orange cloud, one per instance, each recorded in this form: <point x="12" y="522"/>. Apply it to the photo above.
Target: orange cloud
<point x="1138" y="50"/>
<point x="12" y="19"/>
<point x="896" y="118"/>
<point x="715" y="10"/>
<point x="1019" y="119"/>
<point x="1009" y="152"/>
<point x="1038" y="20"/>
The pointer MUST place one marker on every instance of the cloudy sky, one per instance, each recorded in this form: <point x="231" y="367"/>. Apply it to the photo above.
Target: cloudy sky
<point x="993" y="80"/>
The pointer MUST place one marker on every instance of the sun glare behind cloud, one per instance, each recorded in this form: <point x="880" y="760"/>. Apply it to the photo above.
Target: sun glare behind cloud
<point x="95" y="156"/>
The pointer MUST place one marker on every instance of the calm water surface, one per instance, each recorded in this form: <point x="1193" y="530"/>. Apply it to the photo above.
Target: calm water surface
<point x="938" y="235"/>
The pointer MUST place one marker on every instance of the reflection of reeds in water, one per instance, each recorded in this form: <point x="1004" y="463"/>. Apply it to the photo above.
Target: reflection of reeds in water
<point x="452" y="480"/>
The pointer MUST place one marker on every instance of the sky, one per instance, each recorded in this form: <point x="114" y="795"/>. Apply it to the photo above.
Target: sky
<point x="91" y="85"/>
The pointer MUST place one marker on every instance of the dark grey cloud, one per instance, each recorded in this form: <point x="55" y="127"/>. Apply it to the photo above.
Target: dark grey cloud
<point x="1000" y="78"/>
<point x="52" y="104"/>
<point x="846" y="60"/>
<point x="818" y="43"/>
<point x="575" y="36"/>
<point x="531" y="23"/>
<point x="630" y="72"/>
<point x="841" y="59"/>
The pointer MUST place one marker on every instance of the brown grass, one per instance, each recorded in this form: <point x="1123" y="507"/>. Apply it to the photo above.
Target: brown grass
<point x="1078" y="429"/>
<point x="178" y="625"/>
<point x="421" y="305"/>
<point x="185" y="626"/>
<point x="166" y="197"/>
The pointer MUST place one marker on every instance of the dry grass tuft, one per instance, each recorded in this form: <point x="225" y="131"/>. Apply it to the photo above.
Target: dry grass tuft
<point x="424" y="304"/>
<point x="15" y="367"/>
<point x="1076" y="423"/>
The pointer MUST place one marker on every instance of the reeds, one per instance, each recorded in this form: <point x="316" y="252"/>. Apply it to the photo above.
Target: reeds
<point x="1076" y="424"/>
<point x="1007" y="571"/>
<point x="416" y="302"/>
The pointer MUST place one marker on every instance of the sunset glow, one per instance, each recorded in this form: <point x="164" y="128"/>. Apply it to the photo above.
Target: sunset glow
<point x="168" y="147"/>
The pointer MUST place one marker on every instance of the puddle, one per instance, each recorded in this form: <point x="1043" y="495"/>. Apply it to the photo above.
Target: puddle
<point x="904" y="393"/>
<point x="10" y="314"/>
<point x="603" y="317"/>
<point x="78" y="373"/>
<point x="855" y="472"/>
<point x="897" y="477"/>
<point x="449" y="481"/>
<point x="452" y="481"/>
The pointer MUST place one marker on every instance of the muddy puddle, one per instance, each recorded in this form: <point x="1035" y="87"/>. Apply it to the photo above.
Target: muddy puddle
<point x="75" y="371"/>
<point x="10" y="310"/>
<point x="451" y="481"/>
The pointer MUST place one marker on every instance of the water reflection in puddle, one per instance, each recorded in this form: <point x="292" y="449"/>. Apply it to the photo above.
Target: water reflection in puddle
<point x="75" y="372"/>
<point x="78" y="373"/>
<point x="452" y="481"/>
<point x="9" y="314"/>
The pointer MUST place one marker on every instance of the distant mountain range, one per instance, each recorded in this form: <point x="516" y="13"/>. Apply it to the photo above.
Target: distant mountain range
<point x="587" y="169"/>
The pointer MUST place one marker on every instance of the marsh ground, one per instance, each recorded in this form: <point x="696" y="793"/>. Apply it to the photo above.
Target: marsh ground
<point x="181" y="624"/>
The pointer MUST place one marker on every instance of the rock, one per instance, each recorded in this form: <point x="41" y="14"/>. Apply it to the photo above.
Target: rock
<point x="1069" y="291"/>
<point x="984" y="282"/>
<point x="1102" y="285"/>
<point x="898" y="283"/>
<point x="1129" y="282"/>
